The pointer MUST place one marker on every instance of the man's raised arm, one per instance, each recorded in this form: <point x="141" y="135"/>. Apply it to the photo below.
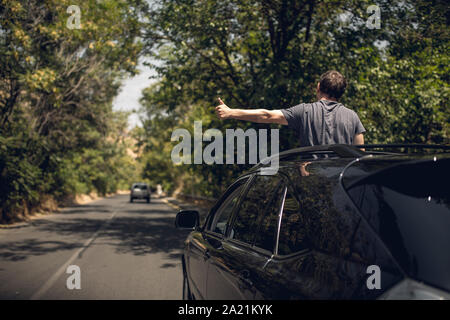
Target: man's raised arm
<point x="253" y="115"/>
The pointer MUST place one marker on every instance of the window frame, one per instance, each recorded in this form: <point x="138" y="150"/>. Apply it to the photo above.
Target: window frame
<point x="235" y="194"/>
<point x="251" y="246"/>
<point x="281" y="186"/>
<point x="280" y="217"/>
<point x="287" y="188"/>
<point x="242" y="183"/>
<point x="233" y="215"/>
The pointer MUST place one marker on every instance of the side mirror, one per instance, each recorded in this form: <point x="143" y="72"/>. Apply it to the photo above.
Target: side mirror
<point x="187" y="219"/>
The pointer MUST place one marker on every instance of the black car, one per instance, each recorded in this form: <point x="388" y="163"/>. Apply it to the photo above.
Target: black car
<point x="335" y="222"/>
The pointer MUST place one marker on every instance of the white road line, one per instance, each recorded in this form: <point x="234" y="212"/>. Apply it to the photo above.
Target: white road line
<point x="51" y="281"/>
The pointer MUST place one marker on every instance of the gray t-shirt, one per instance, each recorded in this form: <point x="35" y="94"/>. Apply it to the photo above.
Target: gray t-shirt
<point x="323" y="122"/>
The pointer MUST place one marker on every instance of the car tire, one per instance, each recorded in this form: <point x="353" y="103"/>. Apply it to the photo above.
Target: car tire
<point x="131" y="199"/>
<point x="148" y="200"/>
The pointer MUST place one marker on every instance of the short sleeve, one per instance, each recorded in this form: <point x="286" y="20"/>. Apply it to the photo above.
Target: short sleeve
<point x="293" y="116"/>
<point x="359" y="128"/>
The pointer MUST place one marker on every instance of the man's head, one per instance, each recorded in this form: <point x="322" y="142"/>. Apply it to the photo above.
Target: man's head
<point x="331" y="86"/>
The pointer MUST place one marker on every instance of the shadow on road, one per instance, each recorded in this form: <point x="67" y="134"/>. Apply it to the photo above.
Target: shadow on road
<point x="84" y="208"/>
<point x="20" y="250"/>
<point x="140" y="231"/>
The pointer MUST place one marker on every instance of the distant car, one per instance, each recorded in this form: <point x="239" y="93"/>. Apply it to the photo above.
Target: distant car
<point x="335" y="222"/>
<point x="140" y="191"/>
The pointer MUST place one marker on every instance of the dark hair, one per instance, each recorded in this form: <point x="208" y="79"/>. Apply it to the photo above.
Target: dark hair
<point x="332" y="84"/>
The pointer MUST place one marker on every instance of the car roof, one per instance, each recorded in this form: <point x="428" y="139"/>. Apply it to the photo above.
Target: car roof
<point x="359" y="163"/>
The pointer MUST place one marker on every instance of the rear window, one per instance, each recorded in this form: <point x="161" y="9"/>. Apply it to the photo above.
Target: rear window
<point x="408" y="205"/>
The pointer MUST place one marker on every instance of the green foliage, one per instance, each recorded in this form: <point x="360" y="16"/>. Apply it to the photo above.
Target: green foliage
<point x="59" y="135"/>
<point x="18" y="175"/>
<point x="406" y="100"/>
<point x="270" y="54"/>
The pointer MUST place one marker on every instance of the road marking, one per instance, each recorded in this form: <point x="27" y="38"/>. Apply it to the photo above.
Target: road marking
<point x="51" y="281"/>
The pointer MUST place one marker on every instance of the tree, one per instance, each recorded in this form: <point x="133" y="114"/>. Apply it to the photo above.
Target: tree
<point x="56" y="90"/>
<point x="270" y="54"/>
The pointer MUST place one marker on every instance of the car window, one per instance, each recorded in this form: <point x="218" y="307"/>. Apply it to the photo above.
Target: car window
<point x="252" y="208"/>
<point x="222" y="214"/>
<point x="292" y="229"/>
<point x="140" y="186"/>
<point x="267" y="231"/>
<point x="408" y="206"/>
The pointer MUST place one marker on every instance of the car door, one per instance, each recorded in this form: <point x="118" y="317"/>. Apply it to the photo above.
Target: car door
<point x="205" y="241"/>
<point x="196" y="265"/>
<point x="235" y="263"/>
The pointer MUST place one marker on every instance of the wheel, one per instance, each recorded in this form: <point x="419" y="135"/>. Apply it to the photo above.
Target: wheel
<point x="131" y="199"/>
<point x="148" y="200"/>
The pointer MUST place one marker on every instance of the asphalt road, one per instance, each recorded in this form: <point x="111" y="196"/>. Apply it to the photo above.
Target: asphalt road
<point x="124" y="251"/>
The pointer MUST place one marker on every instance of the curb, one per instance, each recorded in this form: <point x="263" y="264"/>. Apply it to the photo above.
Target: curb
<point x="14" y="225"/>
<point x="182" y="205"/>
<point x="60" y="209"/>
<point x="170" y="204"/>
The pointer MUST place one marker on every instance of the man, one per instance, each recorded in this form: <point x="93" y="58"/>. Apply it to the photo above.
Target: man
<point x="323" y="122"/>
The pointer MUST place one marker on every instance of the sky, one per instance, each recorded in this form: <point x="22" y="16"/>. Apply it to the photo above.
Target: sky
<point x="130" y="93"/>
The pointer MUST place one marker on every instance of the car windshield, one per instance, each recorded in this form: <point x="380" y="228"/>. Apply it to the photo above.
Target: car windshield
<point x="140" y="186"/>
<point x="408" y="205"/>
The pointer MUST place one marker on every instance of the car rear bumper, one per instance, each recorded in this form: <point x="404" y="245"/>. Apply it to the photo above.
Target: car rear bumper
<point x="140" y="196"/>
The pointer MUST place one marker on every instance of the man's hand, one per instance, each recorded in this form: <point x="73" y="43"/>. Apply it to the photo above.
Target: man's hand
<point x="253" y="115"/>
<point x="222" y="110"/>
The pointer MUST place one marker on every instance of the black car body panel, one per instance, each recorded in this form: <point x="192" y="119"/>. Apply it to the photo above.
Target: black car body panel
<point x="411" y="218"/>
<point x="301" y="234"/>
